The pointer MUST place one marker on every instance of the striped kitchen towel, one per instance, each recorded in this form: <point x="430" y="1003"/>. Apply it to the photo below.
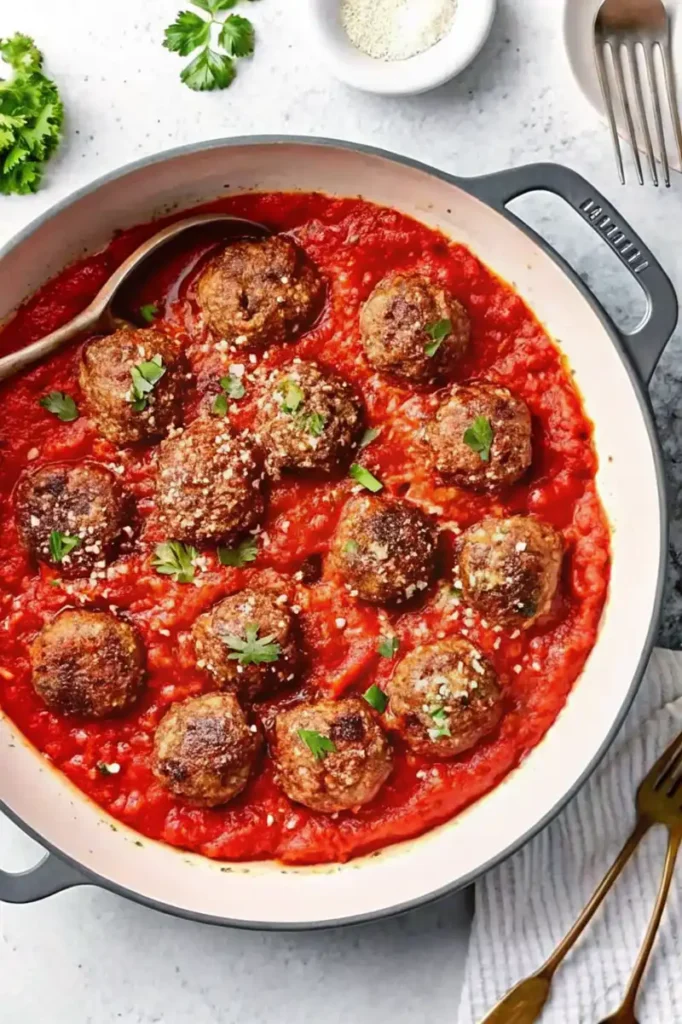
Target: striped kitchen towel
<point x="528" y="903"/>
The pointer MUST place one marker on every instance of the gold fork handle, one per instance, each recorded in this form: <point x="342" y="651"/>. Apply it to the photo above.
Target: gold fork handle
<point x="625" y="1014"/>
<point x="524" y="1003"/>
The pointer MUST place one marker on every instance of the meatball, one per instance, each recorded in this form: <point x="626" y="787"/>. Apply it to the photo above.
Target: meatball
<point x="205" y="750"/>
<point x="384" y="549"/>
<point x="257" y="613"/>
<point x="110" y="366"/>
<point x="209" y="484"/>
<point x="331" y="756"/>
<point x="72" y="516"/>
<point x="395" y="322"/>
<point x="260" y="292"/>
<point x="308" y="419"/>
<point x="88" y="663"/>
<point x="481" y="437"/>
<point x="509" y="568"/>
<point x="444" y="698"/>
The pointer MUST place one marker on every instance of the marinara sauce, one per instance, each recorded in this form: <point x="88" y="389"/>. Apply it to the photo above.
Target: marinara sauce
<point x="354" y="243"/>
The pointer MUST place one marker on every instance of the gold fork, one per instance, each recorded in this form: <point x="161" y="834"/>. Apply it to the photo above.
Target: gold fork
<point x="659" y="802"/>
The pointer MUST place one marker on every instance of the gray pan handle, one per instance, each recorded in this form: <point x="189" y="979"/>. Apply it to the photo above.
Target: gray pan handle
<point x="48" y="877"/>
<point x="645" y="344"/>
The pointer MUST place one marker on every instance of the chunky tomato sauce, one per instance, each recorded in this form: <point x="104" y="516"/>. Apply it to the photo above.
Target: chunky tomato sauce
<point x="354" y="243"/>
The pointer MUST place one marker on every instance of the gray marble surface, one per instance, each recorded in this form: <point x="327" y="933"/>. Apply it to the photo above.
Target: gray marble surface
<point x="88" y="956"/>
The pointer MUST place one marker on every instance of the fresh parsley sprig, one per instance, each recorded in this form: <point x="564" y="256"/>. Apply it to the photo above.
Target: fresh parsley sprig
<point x="245" y="552"/>
<point x="31" y="117"/>
<point x="318" y="745"/>
<point x="60" y="405"/>
<point x="252" y="649"/>
<point x="438" y="332"/>
<point x="61" y="545"/>
<point x="479" y="437"/>
<point x="210" y="69"/>
<point x="145" y="377"/>
<point x="175" y="559"/>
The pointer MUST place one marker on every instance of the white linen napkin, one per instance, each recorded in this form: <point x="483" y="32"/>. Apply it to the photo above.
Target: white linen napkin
<point x="528" y="903"/>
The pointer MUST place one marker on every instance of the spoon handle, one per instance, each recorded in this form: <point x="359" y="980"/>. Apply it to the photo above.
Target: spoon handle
<point x="86" y="322"/>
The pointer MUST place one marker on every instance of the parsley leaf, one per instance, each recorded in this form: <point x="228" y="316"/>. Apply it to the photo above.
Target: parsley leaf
<point x="60" y="405"/>
<point x="441" y="723"/>
<point x="149" y="313"/>
<point x="208" y="71"/>
<point x="219" y="407"/>
<point x="233" y="385"/>
<point x="376" y="698"/>
<point x="314" y="423"/>
<point x="364" y="477"/>
<point x="31" y="117"/>
<point x="253" y="650"/>
<point x="438" y="332"/>
<point x="61" y="545"/>
<point x="237" y="36"/>
<point x="175" y="559"/>
<point x="292" y="397"/>
<point x="388" y="647"/>
<point x="318" y="745"/>
<point x="479" y="437"/>
<point x="214" y="6"/>
<point x="187" y="33"/>
<point x="145" y="377"/>
<point x="245" y="552"/>
<point x="369" y="436"/>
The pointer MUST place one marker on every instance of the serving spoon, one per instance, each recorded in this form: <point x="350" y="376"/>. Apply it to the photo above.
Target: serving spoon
<point x="98" y="317"/>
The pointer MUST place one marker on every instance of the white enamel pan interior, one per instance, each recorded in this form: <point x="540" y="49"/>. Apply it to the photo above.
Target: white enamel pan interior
<point x="84" y="847"/>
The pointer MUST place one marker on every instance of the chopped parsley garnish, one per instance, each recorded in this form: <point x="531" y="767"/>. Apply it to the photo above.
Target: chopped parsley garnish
<point x="219" y="407"/>
<point x="31" y="117"/>
<point x="479" y="437"/>
<point x="210" y="69"/>
<point x="350" y="547"/>
<point x="441" y="723"/>
<point x="438" y="332"/>
<point x="233" y="386"/>
<point x="60" y="405"/>
<point x="369" y="435"/>
<point x="376" y="698"/>
<point x="108" y="769"/>
<point x="314" y="423"/>
<point x="292" y="397"/>
<point x="245" y="552"/>
<point x="388" y="648"/>
<point x="175" y="559"/>
<point x="252" y="649"/>
<point x="364" y="477"/>
<point x="318" y="745"/>
<point x="145" y="378"/>
<point x="61" y="545"/>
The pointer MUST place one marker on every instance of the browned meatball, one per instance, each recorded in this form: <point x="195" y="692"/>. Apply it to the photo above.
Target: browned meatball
<point x="109" y="368"/>
<point x="88" y="663"/>
<point x="260" y="293"/>
<point x="72" y="516"/>
<point x="209" y="484"/>
<point x="444" y="698"/>
<point x="308" y="419"/>
<point x="509" y="568"/>
<point x="250" y="612"/>
<point x="384" y="548"/>
<point x="395" y="324"/>
<point x="331" y="756"/>
<point x="205" y="750"/>
<point x="481" y="437"/>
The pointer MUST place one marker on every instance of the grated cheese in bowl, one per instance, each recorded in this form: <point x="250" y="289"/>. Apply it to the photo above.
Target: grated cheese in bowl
<point x="394" y="30"/>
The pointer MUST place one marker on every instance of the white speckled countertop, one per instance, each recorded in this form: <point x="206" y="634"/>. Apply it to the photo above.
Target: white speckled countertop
<point x="87" y="956"/>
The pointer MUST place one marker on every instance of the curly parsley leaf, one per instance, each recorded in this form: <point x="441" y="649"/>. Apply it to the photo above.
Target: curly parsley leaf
<point x="388" y="648"/>
<point x="364" y="477"/>
<point x="253" y="650"/>
<point x="318" y="745"/>
<point x="60" y="405"/>
<point x="233" y="386"/>
<point x="175" y="559"/>
<point x="31" y="117"/>
<point x="187" y="33"/>
<point x="376" y="698"/>
<point x="208" y="71"/>
<point x="149" y="313"/>
<point x="61" y="545"/>
<point x="438" y="332"/>
<point x="145" y="378"/>
<point x="237" y="36"/>
<point x="479" y="437"/>
<point x="245" y="552"/>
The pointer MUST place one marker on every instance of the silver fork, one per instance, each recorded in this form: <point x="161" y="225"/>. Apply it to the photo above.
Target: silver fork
<point x="622" y="26"/>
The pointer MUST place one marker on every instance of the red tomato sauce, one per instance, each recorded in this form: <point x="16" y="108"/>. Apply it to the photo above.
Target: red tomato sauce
<point x="354" y="243"/>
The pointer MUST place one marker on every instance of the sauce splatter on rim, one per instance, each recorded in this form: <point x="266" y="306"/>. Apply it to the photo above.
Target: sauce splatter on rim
<point x="355" y="244"/>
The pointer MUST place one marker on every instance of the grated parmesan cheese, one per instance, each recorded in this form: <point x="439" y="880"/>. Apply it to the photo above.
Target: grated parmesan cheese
<point x="397" y="29"/>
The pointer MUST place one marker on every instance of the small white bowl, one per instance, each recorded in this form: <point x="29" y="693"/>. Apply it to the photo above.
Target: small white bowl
<point x="470" y="28"/>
